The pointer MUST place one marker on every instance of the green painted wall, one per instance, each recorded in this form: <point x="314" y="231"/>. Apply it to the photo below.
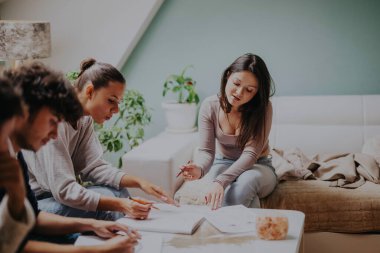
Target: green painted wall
<point x="311" y="47"/>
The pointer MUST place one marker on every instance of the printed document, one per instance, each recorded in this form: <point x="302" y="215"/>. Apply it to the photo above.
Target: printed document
<point x="168" y="219"/>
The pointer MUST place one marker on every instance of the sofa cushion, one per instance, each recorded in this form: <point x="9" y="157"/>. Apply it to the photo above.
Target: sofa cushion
<point x="329" y="209"/>
<point x="372" y="147"/>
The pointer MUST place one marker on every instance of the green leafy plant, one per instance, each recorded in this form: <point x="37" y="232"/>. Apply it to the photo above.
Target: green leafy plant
<point x="72" y="75"/>
<point x="183" y="85"/>
<point x="133" y="116"/>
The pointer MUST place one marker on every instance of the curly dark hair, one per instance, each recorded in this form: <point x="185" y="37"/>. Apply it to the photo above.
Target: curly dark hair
<point x="10" y="100"/>
<point x="44" y="87"/>
<point x="254" y="111"/>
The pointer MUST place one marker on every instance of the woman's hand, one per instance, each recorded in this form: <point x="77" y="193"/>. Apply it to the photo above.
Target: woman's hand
<point x="190" y="171"/>
<point x="108" y="229"/>
<point x="156" y="191"/>
<point x="136" y="210"/>
<point x="214" y="197"/>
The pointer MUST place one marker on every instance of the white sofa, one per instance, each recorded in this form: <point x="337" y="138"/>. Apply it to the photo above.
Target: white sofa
<point x="328" y="124"/>
<point x="315" y="124"/>
<point x="325" y="124"/>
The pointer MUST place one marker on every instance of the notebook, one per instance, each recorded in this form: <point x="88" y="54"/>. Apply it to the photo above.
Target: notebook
<point x="232" y="219"/>
<point x="168" y="219"/>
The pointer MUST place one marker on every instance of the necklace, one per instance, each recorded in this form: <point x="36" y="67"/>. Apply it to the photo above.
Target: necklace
<point x="233" y="126"/>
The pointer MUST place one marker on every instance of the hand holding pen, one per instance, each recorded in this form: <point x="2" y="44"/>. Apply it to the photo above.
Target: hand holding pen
<point x="136" y="208"/>
<point x="144" y="202"/>
<point x="190" y="171"/>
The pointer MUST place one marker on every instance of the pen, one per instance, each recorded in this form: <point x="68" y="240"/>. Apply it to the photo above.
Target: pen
<point x="182" y="170"/>
<point x="143" y="202"/>
<point x="179" y="173"/>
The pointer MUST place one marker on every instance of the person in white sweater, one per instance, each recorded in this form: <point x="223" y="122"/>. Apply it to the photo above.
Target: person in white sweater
<point x="77" y="152"/>
<point x="16" y="213"/>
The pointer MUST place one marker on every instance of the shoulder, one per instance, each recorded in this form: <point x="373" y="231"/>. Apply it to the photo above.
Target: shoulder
<point x="212" y="99"/>
<point x="83" y="122"/>
<point x="86" y="121"/>
<point x="210" y="103"/>
<point x="270" y="109"/>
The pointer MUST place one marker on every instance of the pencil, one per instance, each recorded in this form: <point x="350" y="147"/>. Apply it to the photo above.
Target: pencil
<point x="143" y="202"/>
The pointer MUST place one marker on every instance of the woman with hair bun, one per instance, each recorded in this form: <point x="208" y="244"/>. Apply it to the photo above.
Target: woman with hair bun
<point x="78" y="152"/>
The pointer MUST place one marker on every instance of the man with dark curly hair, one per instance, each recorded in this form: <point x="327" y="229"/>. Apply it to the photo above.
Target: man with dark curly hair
<point x="44" y="90"/>
<point x="50" y="99"/>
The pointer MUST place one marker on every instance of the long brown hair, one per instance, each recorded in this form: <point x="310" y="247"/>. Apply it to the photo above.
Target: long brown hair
<point x="253" y="112"/>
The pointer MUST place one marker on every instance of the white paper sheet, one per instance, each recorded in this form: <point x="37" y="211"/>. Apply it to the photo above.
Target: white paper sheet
<point x="233" y="219"/>
<point x="168" y="219"/>
<point x="172" y="219"/>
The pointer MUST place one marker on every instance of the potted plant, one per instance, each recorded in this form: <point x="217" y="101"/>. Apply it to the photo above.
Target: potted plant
<point x="129" y="125"/>
<point x="181" y="113"/>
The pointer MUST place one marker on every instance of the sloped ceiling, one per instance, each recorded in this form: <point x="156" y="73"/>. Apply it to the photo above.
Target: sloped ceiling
<point x="107" y="30"/>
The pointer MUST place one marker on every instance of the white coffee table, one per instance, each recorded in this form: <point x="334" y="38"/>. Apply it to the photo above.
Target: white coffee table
<point x="209" y="239"/>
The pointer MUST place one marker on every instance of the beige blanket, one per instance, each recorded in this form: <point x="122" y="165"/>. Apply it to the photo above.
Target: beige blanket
<point x="347" y="170"/>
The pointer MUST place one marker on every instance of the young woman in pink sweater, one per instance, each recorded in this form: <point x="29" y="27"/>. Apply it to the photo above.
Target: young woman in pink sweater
<point x="236" y="123"/>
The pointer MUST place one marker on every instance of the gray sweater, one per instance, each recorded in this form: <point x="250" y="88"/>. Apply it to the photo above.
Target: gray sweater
<point x="211" y="135"/>
<point x="55" y="166"/>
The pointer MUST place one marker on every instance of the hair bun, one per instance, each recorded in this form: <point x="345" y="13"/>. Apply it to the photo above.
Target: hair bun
<point x="87" y="63"/>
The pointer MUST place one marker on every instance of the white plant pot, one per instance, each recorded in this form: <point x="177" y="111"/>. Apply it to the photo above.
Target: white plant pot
<point x="180" y="118"/>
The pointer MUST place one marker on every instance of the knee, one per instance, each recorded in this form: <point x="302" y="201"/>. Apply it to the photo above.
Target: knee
<point x="124" y="193"/>
<point x="108" y="215"/>
<point x="249" y="181"/>
<point x="103" y="190"/>
<point x="216" y="170"/>
<point x="50" y="205"/>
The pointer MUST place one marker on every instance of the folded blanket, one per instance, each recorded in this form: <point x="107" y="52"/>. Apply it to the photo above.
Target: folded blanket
<point x="347" y="170"/>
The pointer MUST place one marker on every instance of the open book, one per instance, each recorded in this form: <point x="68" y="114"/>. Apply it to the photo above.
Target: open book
<point x="186" y="218"/>
<point x="168" y="219"/>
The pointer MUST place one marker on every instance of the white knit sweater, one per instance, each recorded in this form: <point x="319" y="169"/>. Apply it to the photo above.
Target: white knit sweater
<point x="55" y="166"/>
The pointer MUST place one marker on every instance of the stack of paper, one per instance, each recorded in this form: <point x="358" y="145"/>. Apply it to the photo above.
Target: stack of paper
<point x="184" y="219"/>
<point x="168" y="219"/>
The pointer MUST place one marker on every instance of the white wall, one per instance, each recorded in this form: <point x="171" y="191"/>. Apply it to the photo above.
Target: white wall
<point x="107" y="30"/>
